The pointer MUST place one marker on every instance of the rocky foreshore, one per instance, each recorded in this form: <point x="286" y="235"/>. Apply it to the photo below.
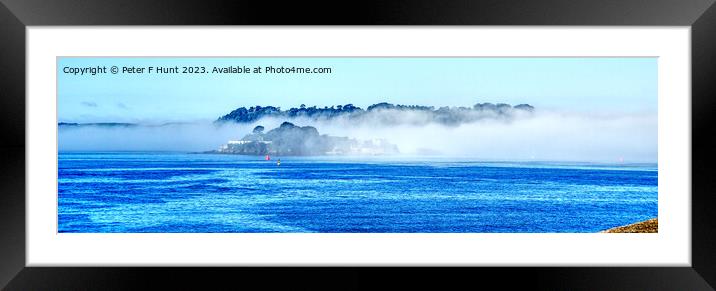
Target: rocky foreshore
<point x="647" y="226"/>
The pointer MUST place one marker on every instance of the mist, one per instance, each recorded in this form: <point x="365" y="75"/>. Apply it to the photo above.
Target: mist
<point x="539" y="136"/>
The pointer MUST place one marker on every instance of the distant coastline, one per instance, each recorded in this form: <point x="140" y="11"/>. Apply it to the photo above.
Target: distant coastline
<point x="291" y="140"/>
<point x="383" y="113"/>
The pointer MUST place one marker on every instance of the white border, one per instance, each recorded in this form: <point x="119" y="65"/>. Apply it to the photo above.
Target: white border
<point x="671" y="246"/>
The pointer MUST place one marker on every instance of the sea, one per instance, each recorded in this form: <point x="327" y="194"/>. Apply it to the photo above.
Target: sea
<point x="174" y="192"/>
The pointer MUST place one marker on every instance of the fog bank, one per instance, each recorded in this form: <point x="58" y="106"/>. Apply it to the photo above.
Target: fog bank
<point x="542" y="136"/>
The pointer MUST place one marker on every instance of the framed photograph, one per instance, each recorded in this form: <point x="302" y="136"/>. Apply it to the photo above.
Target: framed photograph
<point x="564" y="145"/>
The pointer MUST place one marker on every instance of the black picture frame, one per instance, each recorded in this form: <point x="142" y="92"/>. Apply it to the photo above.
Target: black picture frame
<point x="16" y="15"/>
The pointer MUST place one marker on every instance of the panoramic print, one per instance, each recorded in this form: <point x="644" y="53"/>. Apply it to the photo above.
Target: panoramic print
<point x="357" y="145"/>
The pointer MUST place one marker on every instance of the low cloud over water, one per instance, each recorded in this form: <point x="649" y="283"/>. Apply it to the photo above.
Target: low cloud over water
<point x="541" y="136"/>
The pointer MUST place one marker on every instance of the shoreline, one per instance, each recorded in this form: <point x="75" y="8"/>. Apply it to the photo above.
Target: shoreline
<point x="646" y="226"/>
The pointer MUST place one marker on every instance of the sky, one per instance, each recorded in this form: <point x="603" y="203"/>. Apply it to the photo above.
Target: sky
<point x="597" y="85"/>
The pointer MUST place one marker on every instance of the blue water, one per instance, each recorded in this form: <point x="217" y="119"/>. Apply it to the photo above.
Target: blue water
<point x="179" y="192"/>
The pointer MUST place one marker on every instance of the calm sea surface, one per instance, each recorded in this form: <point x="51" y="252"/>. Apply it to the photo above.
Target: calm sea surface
<point x="179" y="192"/>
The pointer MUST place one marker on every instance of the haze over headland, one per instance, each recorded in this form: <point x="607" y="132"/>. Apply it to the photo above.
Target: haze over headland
<point x="523" y="135"/>
<point x="585" y="109"/>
